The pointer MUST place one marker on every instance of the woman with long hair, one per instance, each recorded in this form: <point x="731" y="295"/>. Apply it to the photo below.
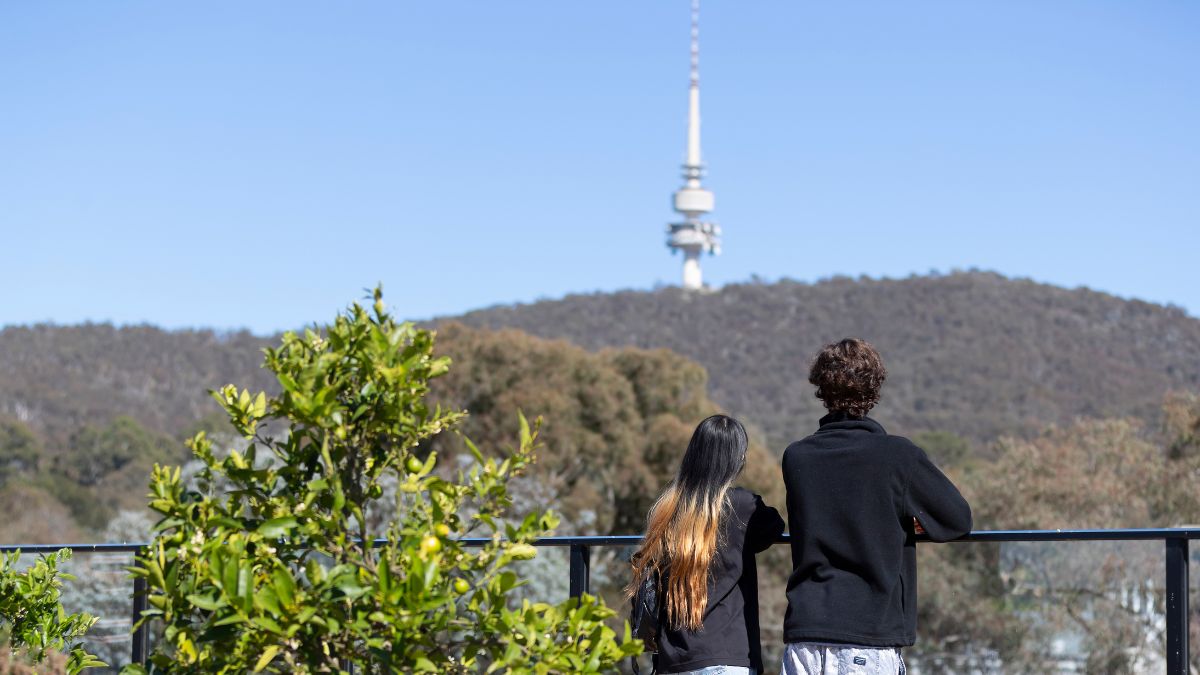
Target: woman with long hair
<point x="701" y="537"/>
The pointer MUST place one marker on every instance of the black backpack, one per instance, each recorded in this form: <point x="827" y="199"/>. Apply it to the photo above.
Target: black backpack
<point x="644" y="615"/>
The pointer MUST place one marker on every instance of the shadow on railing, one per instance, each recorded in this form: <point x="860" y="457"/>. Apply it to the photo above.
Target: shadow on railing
<point x="1175" y="556"/>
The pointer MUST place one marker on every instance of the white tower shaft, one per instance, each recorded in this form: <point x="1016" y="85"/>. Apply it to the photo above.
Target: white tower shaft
<point x="693" y="166"/>
<point x="693" y="236"/>
<point x="692" y="278"/>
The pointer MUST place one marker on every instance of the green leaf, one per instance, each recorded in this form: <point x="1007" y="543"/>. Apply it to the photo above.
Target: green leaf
<point x="277" y="527"/>
<point x="260" y="405"/>
<point x="230" y="620"/>
<point x="284" y="585"/>
<point x="206" y="603"/>
<point x="526" y="436"/>
<point x="305" y="614"/>
<point x="265" y="660"/>
<point x="350" y="587"/>
<point x="266" y="598"/>
<point x="229" y="579"/>
<point x="268" y="623"/>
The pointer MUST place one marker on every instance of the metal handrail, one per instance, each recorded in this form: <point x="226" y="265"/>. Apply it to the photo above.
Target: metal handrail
<point x="1176" y="558"/>
<point x="1118" y="534"/>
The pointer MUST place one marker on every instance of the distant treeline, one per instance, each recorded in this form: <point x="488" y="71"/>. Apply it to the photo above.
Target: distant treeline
<point x="972" y="353"/>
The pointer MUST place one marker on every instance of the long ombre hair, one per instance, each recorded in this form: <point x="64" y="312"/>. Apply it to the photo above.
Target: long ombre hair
<point x="684" y="526"/>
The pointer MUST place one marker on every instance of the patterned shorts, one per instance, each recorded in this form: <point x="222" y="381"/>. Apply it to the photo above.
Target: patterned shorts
<point x="814" y="658"/>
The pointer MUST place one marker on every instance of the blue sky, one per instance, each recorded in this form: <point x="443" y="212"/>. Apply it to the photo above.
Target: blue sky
<point x="234" y="164"/>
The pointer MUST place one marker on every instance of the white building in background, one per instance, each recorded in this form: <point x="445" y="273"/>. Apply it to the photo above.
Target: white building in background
<point x="694" y="235"/>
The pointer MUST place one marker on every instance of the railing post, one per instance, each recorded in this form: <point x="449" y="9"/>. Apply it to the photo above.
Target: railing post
<point x="1177" y="606"/>
<point x="137" y="655"/>
<point x="581" y="570"/>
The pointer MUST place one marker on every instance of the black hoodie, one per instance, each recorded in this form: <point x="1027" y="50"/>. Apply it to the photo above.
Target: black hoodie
<point x="852" y="493"/>
<point x="730" y="633"/>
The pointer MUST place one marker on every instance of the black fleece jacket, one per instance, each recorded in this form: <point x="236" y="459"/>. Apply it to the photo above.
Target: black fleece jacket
<point x="729" y="636"/>
<point x="852" y="493"/>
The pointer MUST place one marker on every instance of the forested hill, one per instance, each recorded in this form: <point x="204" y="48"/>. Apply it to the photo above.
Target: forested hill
<point x="972" y="353"/>
<point x="58" y="379"/>
<point x="976" y="354"/>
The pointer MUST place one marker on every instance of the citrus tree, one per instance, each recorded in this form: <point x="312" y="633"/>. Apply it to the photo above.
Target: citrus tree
<point x="32" y="617"/>
<point x="269" y="564"/>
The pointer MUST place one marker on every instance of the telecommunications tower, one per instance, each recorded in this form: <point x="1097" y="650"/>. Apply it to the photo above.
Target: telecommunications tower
<point x="693" y="236"/>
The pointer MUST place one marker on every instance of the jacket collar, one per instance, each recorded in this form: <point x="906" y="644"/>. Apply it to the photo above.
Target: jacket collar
<point x="838" y="421"/>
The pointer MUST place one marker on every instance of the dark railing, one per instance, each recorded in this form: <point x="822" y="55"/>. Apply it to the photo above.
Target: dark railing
<point x="1176" y="558"/>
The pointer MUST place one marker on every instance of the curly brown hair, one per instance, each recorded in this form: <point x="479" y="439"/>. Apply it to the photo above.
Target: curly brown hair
<point x="848" y="375"/>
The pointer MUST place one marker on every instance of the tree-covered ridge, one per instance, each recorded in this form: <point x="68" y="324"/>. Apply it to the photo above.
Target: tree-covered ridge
<point x="975" y="354"/>
<point x="615" y="423"/>
<point x="972" y="353"/>
<point x="59" y="379"/>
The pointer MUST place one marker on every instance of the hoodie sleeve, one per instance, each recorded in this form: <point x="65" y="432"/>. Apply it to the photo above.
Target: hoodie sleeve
<point x="763" y="527"/>
<point x="933" y="500"/>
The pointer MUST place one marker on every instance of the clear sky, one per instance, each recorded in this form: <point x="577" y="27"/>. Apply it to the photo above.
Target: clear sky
<point x="258" y="164"/>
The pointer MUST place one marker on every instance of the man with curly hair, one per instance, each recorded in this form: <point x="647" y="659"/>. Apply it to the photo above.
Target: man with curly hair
<point x="856" y="499"/>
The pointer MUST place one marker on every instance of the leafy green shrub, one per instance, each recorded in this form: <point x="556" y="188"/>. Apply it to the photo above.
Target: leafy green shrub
<point x="270" y="567"/>
<point x="31" y="614"/>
